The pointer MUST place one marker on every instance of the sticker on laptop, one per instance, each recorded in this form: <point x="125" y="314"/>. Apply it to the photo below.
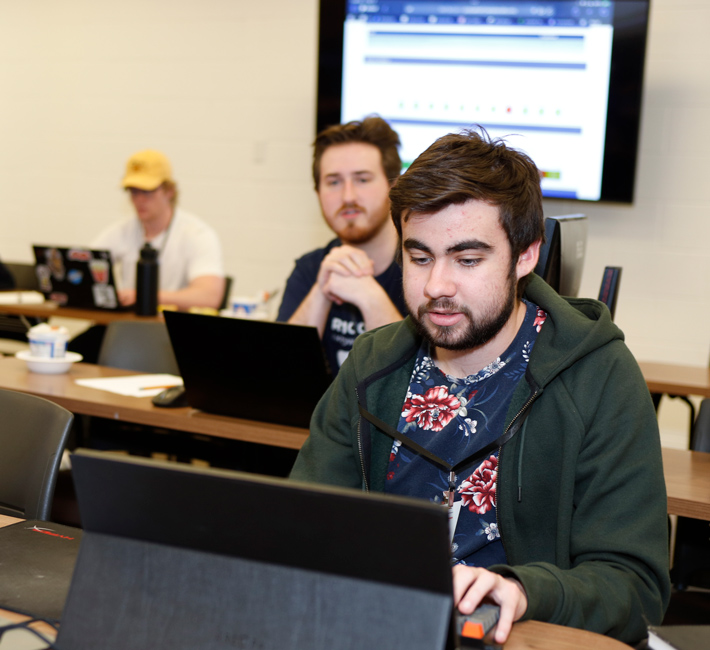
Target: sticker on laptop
<point x="78" y="255"/>
<point x="59" y="297"/>
<point x="99" y="270"/>
<point x="104" y="296"/>
<point x="55" y="262"/>
<point x="44" y="277"/>
<point x="75" y="276"/>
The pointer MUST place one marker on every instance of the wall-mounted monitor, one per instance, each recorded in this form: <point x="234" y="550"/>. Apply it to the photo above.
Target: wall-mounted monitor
<point x="561" y="80"/>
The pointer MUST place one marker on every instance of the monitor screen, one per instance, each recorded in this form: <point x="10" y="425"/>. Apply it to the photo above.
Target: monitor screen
<point x="560" y="80"/>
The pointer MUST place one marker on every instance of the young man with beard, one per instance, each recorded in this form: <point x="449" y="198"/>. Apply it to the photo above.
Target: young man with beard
<point x="353" y="284"/>
<point x="521" y="411"/>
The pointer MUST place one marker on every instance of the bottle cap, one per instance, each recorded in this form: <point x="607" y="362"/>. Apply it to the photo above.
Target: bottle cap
<point x="148" y="253"/>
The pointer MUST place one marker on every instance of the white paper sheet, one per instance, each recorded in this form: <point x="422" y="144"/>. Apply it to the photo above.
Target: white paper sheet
<point x="133" y="385"/>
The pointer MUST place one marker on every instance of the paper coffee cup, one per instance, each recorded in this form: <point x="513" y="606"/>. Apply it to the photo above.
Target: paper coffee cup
<point x="48" y="341"/>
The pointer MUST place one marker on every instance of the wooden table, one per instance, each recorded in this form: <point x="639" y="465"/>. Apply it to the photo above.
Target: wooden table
<point x="687" y="475"/>
<point x="675" y="379"/>
<point x="51" y="309"/>
<point x="529" y="635"/>
<point x="6" y="520"/>
<point x="535" y="635"/>
<point x="63" y="390"/>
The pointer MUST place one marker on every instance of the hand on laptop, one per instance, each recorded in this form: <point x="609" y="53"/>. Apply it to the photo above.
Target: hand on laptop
<point x="473" y="584"/>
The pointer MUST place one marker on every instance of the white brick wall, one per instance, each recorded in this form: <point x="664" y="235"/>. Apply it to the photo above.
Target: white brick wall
<point x="227" y="89"/>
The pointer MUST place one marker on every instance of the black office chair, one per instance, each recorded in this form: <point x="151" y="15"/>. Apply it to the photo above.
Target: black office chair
<point x="130" y="345"/>
<point x="609" y="289"/>
<point x="14" y="328"/>
<point x="691" y="557"/>
<point x="144" y="347"/>
<point x="227" y="289"/>
<point x="24" y="276"/>
<point x="6" y="279"/>
<point x="20" y="277"/>
<point x="33" y="434"/>
<point x="138" y="345"/>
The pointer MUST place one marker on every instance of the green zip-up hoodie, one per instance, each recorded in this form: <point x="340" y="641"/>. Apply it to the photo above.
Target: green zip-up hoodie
<point x="581" y="496"/>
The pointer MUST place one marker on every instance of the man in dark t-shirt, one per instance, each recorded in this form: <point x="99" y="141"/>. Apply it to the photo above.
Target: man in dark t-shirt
<point x="344" y="321"/>
<point x="353" y="284"/>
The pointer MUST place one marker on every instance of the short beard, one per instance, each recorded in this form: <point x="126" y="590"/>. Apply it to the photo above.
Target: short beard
<point x="477" y="332"/>
<point x="353" y="234"/>
<point x="357" y="234"/>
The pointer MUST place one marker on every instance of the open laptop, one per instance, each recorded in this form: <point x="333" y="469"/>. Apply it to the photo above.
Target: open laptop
<point x="257" y="370"/>
<point x="177" y="556"/>
<point x="76" y="277"/>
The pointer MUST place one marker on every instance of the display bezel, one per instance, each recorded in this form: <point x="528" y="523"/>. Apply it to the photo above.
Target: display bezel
<point x="625" y="88"/>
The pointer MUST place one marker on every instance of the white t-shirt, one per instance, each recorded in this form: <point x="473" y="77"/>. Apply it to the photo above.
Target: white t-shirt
<point x="188" y="249"/>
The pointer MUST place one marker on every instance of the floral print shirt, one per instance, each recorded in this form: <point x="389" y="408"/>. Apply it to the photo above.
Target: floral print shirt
<point x="454" y="419"/>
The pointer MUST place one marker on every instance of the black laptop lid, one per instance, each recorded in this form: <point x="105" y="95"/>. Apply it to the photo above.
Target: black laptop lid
<point x="76" y="277"/>
<point x="264" y="518"/>
<point x="183" y="557"/>
<point x="257" y="370"/>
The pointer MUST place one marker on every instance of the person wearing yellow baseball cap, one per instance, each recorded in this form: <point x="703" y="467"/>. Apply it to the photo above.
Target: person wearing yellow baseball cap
<point x="189" y="251"/>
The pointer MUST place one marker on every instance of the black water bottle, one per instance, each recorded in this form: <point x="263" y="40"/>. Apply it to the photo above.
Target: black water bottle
<point x="147" y="282"/>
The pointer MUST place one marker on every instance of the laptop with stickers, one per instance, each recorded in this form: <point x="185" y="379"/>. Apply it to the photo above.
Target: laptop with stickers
<point x="76" y="277"/>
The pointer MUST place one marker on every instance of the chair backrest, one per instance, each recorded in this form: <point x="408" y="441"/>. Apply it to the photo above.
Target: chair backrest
<point x="700" y="435"/>
<point x="609" y="289"/>
<point x="6" y="279"/>
<point x="33" y="434"/>
<point x="227" y="289"/>
<point x="24" y="275"/>
<point x="136" y="345"/>
<point x="20" y="277"/>
<point x="14" y="327"/>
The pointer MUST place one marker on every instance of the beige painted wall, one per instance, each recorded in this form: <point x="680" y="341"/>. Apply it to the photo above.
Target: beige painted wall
<point x="227" y="89"/>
